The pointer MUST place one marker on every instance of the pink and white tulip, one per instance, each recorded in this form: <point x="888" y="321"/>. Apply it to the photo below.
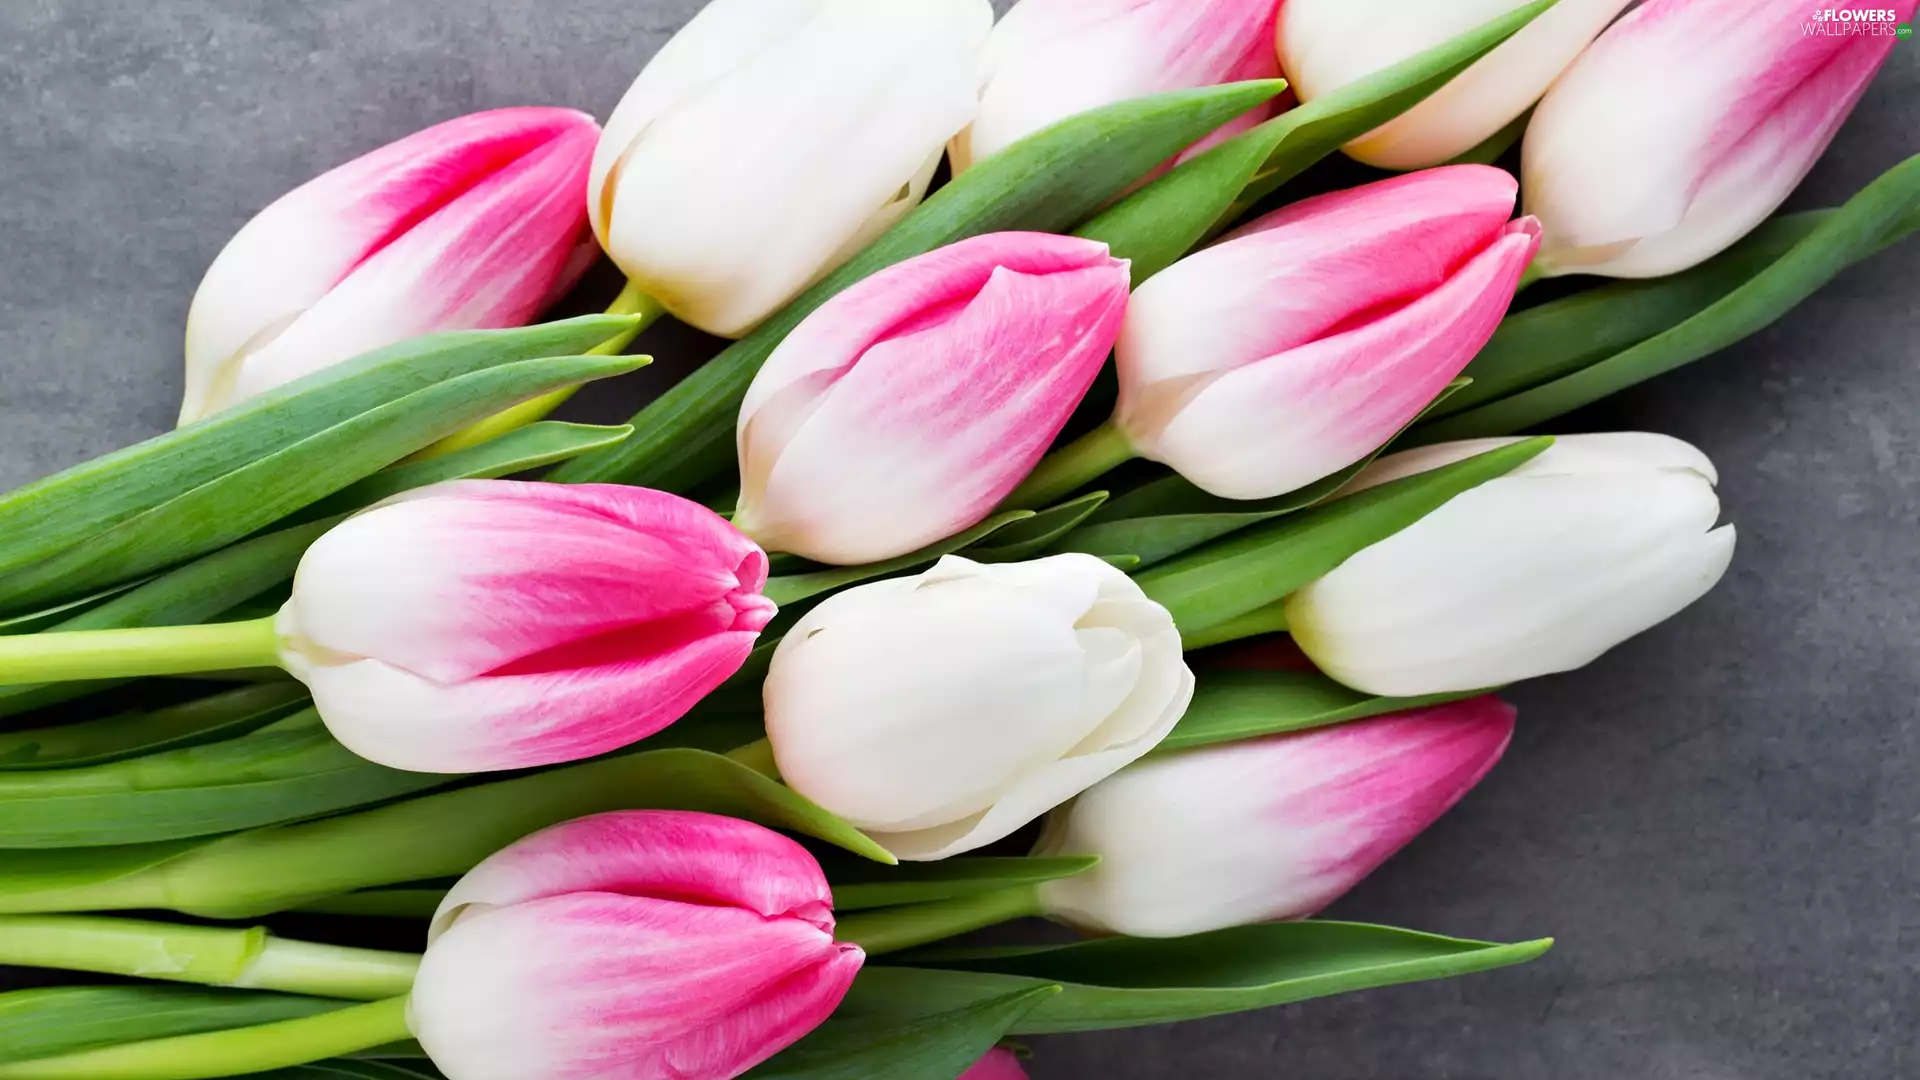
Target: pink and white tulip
<point x="1689" y="122"/>
<point x="907" y="407"/>
<point x="1299" y="344"/>
<point x="1326" y="45"/>
<point x="1267" y="829"/>
<point x="647" y="945"/>
<point x="1050" y="59"/>
<point x="999" y="1064"/>
<point x="474" y="224"/>
<point x="486" y="624"/>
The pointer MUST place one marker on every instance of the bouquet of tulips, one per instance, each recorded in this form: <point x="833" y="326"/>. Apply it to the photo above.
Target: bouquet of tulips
<point x="897" y="620"/>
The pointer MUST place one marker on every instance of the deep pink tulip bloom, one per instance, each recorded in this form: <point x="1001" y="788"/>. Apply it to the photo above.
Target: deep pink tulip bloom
<point x="1267" y="829"/>
<point x="999" y="1064"/>
<point x="474" y="224"/>
<point x="1302" y="342"/>
<point x="643" y="945"/>
<point x="907" y="407"/>
<point x="488" y="624"/>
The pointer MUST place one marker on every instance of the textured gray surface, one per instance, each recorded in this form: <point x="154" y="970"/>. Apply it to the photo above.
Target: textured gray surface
<point x="1717" y="820"/>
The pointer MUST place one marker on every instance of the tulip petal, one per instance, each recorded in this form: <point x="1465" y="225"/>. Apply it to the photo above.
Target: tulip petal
<point x="1598" y="453"/>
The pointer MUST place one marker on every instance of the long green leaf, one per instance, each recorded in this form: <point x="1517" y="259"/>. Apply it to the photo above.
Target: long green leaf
<point x="145" y="731"/>
<point x="860" y="886"/>
<point x="1046" y="182"/>
<point x="793" y="588"/>
<point x="940" y="1046"/>
<point x="544" y="443"/>
<point x="1259" y="566"/>
<point x="353" y="1069"/>
<point x="51" y="515"/>
<point x="1028" y="538"/>
<point x="249" y="497"/>
<point x="1232" y="705"/>
<point x="1130" y="982"/>
<point x="66" y="1020"/>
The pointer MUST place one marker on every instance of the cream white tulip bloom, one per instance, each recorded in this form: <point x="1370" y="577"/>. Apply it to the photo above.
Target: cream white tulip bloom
<point x="940" y="713"/>
<point x="1327" y="44"/>
<point x="1539" y="571"/>
<point x="772" y="139"/>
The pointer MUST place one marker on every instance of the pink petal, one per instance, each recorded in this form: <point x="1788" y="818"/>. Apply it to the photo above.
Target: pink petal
<point x="999" y="1064"/>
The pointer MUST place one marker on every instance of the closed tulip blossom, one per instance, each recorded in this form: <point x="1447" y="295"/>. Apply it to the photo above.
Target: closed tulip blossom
<point x="1326" y="45"/>
<point x="1298" y="345"/>
<point x="1539" y="571"/>
<point x="907" y="407"/>
<point x="1688" y="123"/>
<point x="647" y="945"/>
<point x="474" y="224"/>
<point x="1265" y="829"/>
<point x="940" y="713"/>
<point x="1050" y="59"/>
<point x="770" y="140"/>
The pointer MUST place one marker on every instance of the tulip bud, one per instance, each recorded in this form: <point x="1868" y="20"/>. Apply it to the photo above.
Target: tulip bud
<point x="474" y="224"/>
<point x="1267" y="829"/>
<point x="1051" y="59"/>
<point x="485" y="624"/>
<point x="648" y="945"/>
<point x="999" y="1064"/>
<point x="1329" y="44"/>
<point x="1298" y="345"/>
<point x="941" y="712"/>
<point x="1539" y="571"/>
<point x="770" y="140"/>
<point x="1689" y="122"/>
<point x="907" y="407"/>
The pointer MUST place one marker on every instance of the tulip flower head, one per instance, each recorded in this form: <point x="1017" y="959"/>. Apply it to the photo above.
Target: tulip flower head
<point x="907" y="407"/>
<point x="941" y="712"/>
<point x="1050" y="59"/>
<point x="1326" y="45"/>
<point x="1301" y="343"/>
<point x="770" y="140"/>
<point x="1687" y="123"/>
<point x="648" y="945"/>
<point x="999" y="1064"/>
<point x="1536" y="572"/>
<point x="1266" y="829"/>
<point x="485" y="624"/>
<point x="474" y="224"/>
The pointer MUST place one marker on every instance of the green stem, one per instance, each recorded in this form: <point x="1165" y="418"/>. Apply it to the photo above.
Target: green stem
<point x="247" y="958"/>
<point x="892" y="929"/>
<point x="62" y="656"/>
<point x="1271" y="619"/>
<point x="234" y="1052"/>
<point x="1072" y="467"/>
<point x="631" y="301"/>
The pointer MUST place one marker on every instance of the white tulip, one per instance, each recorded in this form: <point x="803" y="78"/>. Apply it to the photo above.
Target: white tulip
<point x="1539" y="571"/>
<point x="940" y="713"/>
<point x="772" y="139"/>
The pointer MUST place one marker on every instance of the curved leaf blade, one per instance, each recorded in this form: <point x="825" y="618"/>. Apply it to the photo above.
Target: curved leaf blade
<point x="941" y="1046"/>
<point x="50" y="1022"/>
<point x="1229" y="706"/>
<point x="144" y="731"/>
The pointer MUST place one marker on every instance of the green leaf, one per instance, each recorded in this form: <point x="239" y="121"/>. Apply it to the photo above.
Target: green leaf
<point x="1161" y="222"/>
<point x="248" y="497"/>
<point x="285" y="771"/>
<point x="440" y="835"/>
<point x="1030" y="537"/>
<point x="859" y="886"/>
<point x="940" y="1046"/>
<point x="517" y="451"/>
<point x="48" y="516"/>
<point x="65" y="1020"/>
<point x="1881" y="214"/>
<point x="145" y="731"/>
<point x="1046" y="182"/>
<point x="1234" y="576"/>
<point x="1232" y="705"/>
<point x="1131" y="982"/>
<point x="35" y="621"/>
<point x="793" y="588"/>
<point x="353" y="1069"/>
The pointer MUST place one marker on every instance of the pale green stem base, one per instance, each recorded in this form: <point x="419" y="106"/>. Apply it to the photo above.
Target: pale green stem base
<point x="1271" y="619"/>
<point x="631" y="301"/>
<point x="1072" y="467"/>
<point x="153" y="650"/>
<point x="235" y="1052"/>
<point x="893" y="929"/>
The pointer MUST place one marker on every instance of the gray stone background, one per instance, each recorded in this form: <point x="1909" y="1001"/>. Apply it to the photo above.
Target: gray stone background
<point x="1717" y="820"/>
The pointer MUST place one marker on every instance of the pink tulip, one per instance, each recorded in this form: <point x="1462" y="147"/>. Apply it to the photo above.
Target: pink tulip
<point x="1272" y="828"/>
<point x="476" y="223"/>
<point x="907" y="407"/>
<point x="999" y="1064"/>
<point x="1050" y="59"/>
<point x="1689" y="121"/>
<point x="487" y="624"/>
<point x="643" y="945"/>
<point x="1297" y="345"/>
